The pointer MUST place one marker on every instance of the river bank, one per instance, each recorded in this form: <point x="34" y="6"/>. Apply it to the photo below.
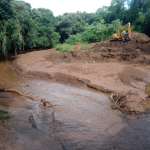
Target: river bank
<point x="105" y="77"/>
<point x="19" y="132"/>
<point x="84" y="118"/>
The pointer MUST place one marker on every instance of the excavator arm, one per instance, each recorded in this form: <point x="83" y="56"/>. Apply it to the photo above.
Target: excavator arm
<point x="125" y="27"/>
<point x="119" y="35"/>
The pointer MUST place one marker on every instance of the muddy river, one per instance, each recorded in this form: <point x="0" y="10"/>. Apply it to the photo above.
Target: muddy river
<point x="84" y="118"/>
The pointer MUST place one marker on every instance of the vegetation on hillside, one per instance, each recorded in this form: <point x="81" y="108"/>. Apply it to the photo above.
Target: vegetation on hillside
<point x="22" y="27"/>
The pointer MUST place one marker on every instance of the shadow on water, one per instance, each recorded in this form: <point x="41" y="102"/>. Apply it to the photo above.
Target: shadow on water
<point x="7" y="100"/>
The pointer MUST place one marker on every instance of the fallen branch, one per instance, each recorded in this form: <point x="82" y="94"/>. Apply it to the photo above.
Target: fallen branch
<point x="44" y="104"/>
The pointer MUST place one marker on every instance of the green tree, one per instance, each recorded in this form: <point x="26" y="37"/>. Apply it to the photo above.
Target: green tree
<point x="45" y="24"/>
<point x="117" y="8"/>
<point x="27" y="37"/>
<point x="6" y="12"/>
<point x="70" y="24"/>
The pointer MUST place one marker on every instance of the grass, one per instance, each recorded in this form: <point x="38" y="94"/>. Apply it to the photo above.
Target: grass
<point x="142" y="37"/>
<point x="63" y="47"/>
<point x="4" y="115"/>
<point x="84" y="46"/>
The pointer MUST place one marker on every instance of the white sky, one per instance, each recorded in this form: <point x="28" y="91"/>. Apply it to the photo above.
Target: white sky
<point x="58" y="7"/>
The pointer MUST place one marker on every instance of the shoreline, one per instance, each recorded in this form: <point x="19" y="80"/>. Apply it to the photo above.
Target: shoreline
<point x="103" y="77"/>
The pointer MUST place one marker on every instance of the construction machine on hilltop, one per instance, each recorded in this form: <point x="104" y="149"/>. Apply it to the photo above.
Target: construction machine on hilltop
<point x="122" y="35"/>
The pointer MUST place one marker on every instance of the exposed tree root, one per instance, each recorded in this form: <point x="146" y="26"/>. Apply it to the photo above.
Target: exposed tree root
<point x="44" y="104"/>
<point x="14" y="91"/>
<point x="120" y="100"/>
<point x="42" y="100"/>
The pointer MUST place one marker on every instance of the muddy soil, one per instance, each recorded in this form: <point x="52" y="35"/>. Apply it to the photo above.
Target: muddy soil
<point x="104" y="77"/>
<point x="110" y="66"/>
<point x="134" y="51"/>
<point x="17" y="133"/>
<point x="84" y="118"/>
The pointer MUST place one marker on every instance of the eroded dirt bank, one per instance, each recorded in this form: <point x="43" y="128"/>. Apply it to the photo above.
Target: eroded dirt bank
<point x="111" y="67"/>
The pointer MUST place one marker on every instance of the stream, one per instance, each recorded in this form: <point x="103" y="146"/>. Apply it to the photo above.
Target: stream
<point x="84" y="118"/>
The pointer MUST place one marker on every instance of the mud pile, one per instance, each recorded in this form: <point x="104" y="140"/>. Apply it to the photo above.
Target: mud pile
<point x="136" y="78"/>
<point x="132" y="101"/>
<point x="135" y="51"/>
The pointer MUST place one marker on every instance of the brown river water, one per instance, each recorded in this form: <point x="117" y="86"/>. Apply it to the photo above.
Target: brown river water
<point x="84" y="118"/>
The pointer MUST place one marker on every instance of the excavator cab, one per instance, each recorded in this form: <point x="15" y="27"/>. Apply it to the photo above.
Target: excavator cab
<point x="122" y="35"/>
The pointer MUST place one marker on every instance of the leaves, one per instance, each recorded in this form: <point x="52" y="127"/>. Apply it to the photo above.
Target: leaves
<point x="23" y="28"/>
<point x="70" y="24"/>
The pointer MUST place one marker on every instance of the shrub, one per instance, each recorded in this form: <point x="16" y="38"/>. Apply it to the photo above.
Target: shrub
<point x="97" y="32"/>
<point x="74" y="39"/>
<point x="63" y="47"/>
<point x="84" y="46"/>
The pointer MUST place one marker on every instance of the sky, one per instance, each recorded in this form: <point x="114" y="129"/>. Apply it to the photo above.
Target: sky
<point x="59" y="7"/>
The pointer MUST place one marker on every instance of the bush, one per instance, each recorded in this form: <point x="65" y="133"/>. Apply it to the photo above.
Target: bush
<point x="74" y="39"/>
<point x="84" y="46"/>
<point x="116" y="25"/>
<point x="63" y="47"/>
<point x="97" y="32"/>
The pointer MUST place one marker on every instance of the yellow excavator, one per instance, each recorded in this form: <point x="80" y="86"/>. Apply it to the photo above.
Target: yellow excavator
<point x="122" y="35"/>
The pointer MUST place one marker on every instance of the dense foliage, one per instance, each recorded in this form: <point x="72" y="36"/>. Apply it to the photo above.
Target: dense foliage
<point x="95" y="32"/>
<point x="22" y="27"/>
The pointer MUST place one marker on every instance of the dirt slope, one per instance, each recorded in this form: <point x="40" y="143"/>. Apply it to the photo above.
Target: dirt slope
<point x="133" y="51"/>
<point x="98" y="67"/>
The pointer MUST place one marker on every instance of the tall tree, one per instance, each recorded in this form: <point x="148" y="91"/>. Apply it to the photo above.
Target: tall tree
<point x="70" y="24"/>
<point x="45" y="24"/>
<point x="27" y="29"/>
<point x="6" y="13"/>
